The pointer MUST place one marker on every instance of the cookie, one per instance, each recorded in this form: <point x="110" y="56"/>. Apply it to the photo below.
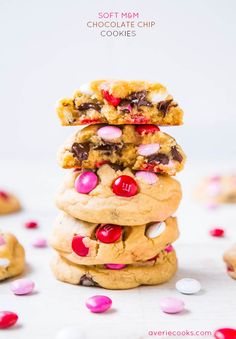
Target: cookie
<point x="230" y="260"/>
<point x="103" y="204"/>
<point x="112" y="243"/>
<point x="152" y="272"/>
<point x="217" y="190"/>
<point x="140" y="147"/>
<point x="8" y="203"/>
<point x="12" y="256"/>
<point x="120" y="102"/>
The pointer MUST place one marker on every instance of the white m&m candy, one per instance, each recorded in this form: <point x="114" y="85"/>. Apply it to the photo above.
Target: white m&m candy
<point x="155" y="229"/>
<point x="188" y="286"/>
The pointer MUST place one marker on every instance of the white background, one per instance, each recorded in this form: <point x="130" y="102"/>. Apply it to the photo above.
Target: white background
<point x="46" y="53"/>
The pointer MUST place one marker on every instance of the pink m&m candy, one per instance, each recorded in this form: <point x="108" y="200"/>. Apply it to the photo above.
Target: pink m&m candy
<point x="115" y="266"/>
<point x="78" y="246"/>
<point x="39" y="242"/>
<point x="225" y="333"/>
<point x="148" y="149"/>
<point x="169" y="248"/>
<point x="109" y="133"/>
<point x="22" y="286"/>
<point x="7" y="319"/>
<point x="2" y="240"/>
<point x="149" y="177"/>
<point x="172" y="305"/>
<point x="98" y="303"/>
<point x="86" y="182"/>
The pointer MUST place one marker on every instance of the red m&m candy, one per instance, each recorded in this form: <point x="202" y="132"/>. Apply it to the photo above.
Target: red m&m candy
<point x="217" y="232"/>
<point x="225" y="333"/>
<point x="7" y="319"/>
<point x="146" y="129"/>
<point x="4" y="195"/>
<point x="125" y="186"/>
<point x="109" y="233"/>
<point x="78" y="246"/>
<point x="110" y="98"/>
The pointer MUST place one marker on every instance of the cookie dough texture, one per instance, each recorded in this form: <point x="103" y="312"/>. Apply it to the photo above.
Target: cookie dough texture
<point x="134" y="245"/>
<point x="150" y="273"/>
<point x="9" y="203"/>
<point x="153" y="202"/>
<point x="86" y="149"/>
<point x="12" y="256"/>
<point x="217" y="189"/>
<point x="230" y="260"/>
<point x="136" y="102"/>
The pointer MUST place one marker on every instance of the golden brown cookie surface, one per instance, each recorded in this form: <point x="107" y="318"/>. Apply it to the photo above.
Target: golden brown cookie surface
<point x="153" y="202"/>
<point x="12" y="256"/>
<point x="230" y="260"/>
<point x="134" y="244"/>
<point x="149" y="273"/>
<point x="8" y="203"/>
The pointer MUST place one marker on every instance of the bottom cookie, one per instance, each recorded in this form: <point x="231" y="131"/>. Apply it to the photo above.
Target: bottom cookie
<point x="152" y="272"/>
<point x="12" y="256"/>
<point x="230" y="260"/>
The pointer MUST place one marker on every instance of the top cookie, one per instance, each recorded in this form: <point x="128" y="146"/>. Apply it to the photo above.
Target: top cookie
<point x="120" y="102"/>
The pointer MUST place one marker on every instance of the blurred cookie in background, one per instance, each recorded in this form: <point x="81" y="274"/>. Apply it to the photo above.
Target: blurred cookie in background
<point x="12" y="256"/>
<point x="217" y="190"/>
<point x="230" y="260"/>
<point x="9" y="203"/>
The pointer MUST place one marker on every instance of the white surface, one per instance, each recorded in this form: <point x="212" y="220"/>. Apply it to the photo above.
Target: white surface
<point x="135" y="312"/>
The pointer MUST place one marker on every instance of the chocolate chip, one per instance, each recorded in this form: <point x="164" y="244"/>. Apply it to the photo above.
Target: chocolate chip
<point x="139" y="99"/>
<point x="159" y="158"/>
<point x="88" y="105"/>
<point x="117" y="167"/>
<point x="80" y="150"/>
<point x="109" y="147"/>
<point x="87" y="280"/>
<point x="164" y="106"/>
<point x="175" y="154"/>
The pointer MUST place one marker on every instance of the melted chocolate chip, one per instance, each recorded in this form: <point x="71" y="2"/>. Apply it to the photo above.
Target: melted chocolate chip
<point x="159" y="158"/>
<point x="109" y="147"/>
<point x="116" y="167"/>
<point x="175" y="154"/>
<point x="87" y="280"/>
<point x="88" y="105"/>
<point x="164" y="106"/>
<point x="80" y="150"/>
<point x="139" y="99"/>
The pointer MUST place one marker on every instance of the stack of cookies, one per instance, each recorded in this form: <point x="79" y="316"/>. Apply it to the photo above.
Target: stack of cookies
<point x="116" y="228"/>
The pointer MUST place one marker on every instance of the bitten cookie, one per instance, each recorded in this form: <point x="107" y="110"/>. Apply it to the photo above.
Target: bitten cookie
<point x="108" y="243"/>
<point x="8" y="203"/>
<point x="218" y="189"/>
<point x="140" y="147"/>
<point x="120" y="102"/>
<point x="230" y="260"/>
<point x="119" y="197"/>
<point x="12" y="256"/>
<point x="152" y="272"/>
